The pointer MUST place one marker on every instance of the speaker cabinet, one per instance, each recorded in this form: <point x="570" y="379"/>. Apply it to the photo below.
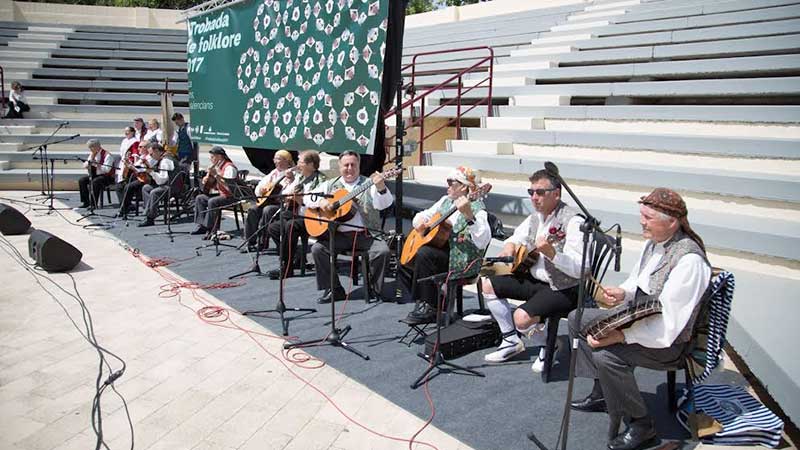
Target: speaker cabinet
<point x="51" y="253"/>
<point x="13" y="221"/>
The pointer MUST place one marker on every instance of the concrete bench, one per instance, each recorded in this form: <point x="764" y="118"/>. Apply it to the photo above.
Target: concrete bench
<point x="72" y="42"/>
<point x="127" y="86"/>
<point x="119" y="54"/>
<point x="115" y="97"/>
<point x="670" y="10"/>
<point x="716" y="113"/>
<point x="107" y="74"/>
<point x="113" y="64"/>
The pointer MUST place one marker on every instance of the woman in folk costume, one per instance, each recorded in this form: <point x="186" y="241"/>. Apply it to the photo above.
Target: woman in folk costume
<point x="461" y="256"/>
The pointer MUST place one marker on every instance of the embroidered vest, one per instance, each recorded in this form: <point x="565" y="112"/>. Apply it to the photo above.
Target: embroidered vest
<point x="562" y="214"/>
<point x="112" y="170"/>
<point x="678" y="246"/>
<point x="313" y="181"/>
<point x="462" y="250"/>
<point x="184" y="143"/>
<point x="370" y="215"/>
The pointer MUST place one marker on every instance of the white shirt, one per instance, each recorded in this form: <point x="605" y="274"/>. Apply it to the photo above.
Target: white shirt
<point x="123" y="148"/>
<point x="230" y="172"/>
<point x="174" y="140"/>
<point x="158" y="134"/>
<point x="480" y="232"/>
<point x="104" y="166"/>
<point x="272" y="177"/>
<point x="568" y="261"/>
<point x="161" y="176"/>
<point x="682" y="291"/>
<point x="379" y="201"/>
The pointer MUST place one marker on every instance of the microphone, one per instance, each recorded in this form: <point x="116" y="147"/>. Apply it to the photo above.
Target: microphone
<point x="499" y="259"/>
<point x="618" y="250"/>
<point x="65" y="123"/>
<point x="551" y="168"/>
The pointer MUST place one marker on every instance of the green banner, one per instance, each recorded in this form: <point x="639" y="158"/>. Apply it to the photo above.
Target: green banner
<point x="290" y="74"/>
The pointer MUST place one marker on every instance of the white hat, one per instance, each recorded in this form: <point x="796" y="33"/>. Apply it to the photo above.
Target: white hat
<point x="465" y="175"/>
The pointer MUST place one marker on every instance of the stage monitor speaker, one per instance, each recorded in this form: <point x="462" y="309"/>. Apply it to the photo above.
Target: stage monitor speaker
<point x="51" y="253"/>
<point x="13" y="221"/>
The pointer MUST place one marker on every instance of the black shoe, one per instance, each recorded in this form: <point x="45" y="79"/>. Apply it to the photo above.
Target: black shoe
<point x="147" y="223"/>
<point x="338" y="294"/>
<point x="589" y="404"/>
<point x="640" y="433"/>
<point x="275" y="274"/>
<point x="199" y="230"/>
<point x="422" y="314"/>
<point x="249" y="249"/>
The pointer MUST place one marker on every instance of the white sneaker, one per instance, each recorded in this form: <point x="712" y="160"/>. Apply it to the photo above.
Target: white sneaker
<point x="538" y="365"/>
<point x="506" y="351"/>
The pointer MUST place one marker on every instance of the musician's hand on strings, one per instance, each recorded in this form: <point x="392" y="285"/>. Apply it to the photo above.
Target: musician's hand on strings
<point x="546" y="248"/>
<point x="508" y="250"/>
<point x="613" y="296"/>
<point x="421" y="228"/>
<point x="615" y="337"/>
<point x="325" y="205"/>
<point x="290" y="175"/>
<point x="378" y="181"/>
<point x="464" y="207"/>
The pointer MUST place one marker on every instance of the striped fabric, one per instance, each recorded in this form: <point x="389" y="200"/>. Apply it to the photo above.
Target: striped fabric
<point x="744" y="420"/>
<point x="719" y="310"/>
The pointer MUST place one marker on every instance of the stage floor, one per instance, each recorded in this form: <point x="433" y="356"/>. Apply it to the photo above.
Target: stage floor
<point x="206" y="382"/>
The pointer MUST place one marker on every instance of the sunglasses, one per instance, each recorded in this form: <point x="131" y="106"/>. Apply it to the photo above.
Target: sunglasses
<point x="454" y="183"/>
<point x="540" y="192"/>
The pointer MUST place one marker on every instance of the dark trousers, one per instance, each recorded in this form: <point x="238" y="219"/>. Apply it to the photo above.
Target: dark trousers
<point x="153" y="196"/>
<point x="126" y="191"/>
<point x="540" y="299"/>
<point x="613" y="366"/>
<point x="256" y="218"/>
<point x="377" y="250"/>
<point x="293" y="229"/>
<point x="208" y="210"/>
<point x="429" y="261"/>
<point x="98" y="184"/>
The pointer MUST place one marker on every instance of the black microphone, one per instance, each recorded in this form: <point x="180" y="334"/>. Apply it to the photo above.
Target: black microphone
<point x="618" y="250"/>
<point x="65" y="123"/>
<point x="551" y="168"/>
<point x="499" y="259"/>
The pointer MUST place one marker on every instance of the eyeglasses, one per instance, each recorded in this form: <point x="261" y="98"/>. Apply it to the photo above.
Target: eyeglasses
<point x="454" y="183"/>
<point x="540" y="192"/>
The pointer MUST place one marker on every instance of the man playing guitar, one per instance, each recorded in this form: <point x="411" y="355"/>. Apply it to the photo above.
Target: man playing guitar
<point x="136" y="177"/>
<point x="672" y="268"/>
<point x="163" y="172"/>
<point x="101" y="174"/>
<point x="367" y="206"/>
<point x="309" y="179"/>
<point x="208" y="208"/>
<point x="271" y="184"/>
<point x="466" y="244"/>
<point x="549" y="286"/>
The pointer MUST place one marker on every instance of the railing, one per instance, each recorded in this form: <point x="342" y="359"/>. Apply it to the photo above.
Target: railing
<point x="483" y="63"/>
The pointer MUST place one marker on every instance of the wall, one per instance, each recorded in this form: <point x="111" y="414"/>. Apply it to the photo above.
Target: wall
<point x="89" y="15"/>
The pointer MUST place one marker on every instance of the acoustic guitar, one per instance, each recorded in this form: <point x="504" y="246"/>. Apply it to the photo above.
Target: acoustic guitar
<point x="437" y="229"/>
<point x="343" y="209"/>
<point x="269" y="189"/>
<point x="526" y="256"/>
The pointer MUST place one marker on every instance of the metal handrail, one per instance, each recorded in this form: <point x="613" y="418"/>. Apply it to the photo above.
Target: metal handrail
<point x="446" y="85"/>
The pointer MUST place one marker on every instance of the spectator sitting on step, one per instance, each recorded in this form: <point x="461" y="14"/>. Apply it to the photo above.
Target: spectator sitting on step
<point x="154" y="132"/>
<point x="17" y="103"/>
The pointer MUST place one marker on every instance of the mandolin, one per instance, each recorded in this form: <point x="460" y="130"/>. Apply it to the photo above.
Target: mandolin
<point x="437" y="229"/>
<point x="526" y="256"/>
<point x="343" y="209"/>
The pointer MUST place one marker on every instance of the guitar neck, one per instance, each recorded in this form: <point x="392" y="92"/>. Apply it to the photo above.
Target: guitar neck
<point x="355" y="192"/>
<point x="444" y="217"/>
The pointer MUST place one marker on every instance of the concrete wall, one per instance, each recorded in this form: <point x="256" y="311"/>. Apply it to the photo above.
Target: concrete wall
<point x="484" y="9"/>
<point x="89" y="15"/>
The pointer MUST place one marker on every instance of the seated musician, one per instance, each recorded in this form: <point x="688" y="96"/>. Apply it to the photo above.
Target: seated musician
<point x="550" y="286"/>
<point x="208" y="207"/>
<point x="163" y="168"/>
<point x="101" y="174"/>
<point x="309" y="179"/>
<point x="468" y="240"/>
<point x="131" y="185"/>
<point x="673" y="268"/>
<point x="128" y="149"/>
<point x="367" y="205"/>
<point x="265" y="208"/>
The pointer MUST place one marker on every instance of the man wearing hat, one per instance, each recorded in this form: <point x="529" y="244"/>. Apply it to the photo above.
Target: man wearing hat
<point x="462" y="256"/>
<point x="265" y="208"/>
<point x="552" y="235"/>
<point x="208" y="208"/>
<point x="673" y="268"/>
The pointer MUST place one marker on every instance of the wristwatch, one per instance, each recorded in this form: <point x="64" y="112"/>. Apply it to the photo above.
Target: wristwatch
<point x="471" y="222"/>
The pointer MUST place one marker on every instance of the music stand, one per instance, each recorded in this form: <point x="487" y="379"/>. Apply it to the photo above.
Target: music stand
<point x="436" y="359"/>
<point x="336" y="335"/>
<point x="280" y="307"/>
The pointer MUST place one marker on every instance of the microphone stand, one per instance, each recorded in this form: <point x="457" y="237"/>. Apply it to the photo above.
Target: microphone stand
<point x="42" y="150"/>
<point x="215" y="238"/>
<point x="170" y="218"/>
<point x="589" y="226"/>
<point x="280" y="307"/>
<point x="436" y="359"/>
<point x="48" y="181"/>
<point x="398" y="161"/>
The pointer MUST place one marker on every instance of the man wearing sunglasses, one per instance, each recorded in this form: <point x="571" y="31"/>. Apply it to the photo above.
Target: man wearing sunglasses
<point x="464" y="250"/>
<point x="549" y="287"/>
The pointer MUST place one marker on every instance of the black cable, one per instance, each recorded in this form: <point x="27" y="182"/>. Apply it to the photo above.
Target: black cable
<point x="102" y="381"/>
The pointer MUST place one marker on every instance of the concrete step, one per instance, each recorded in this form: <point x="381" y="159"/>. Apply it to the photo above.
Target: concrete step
<point x="644" y="171"/>
<point x="753" y="114"/>
<point x="478" y="147"/>
<point x="612" y="5"/>
<point x="11" y="54"/>
<point x="540" y="50"/>
<point x="580" y="26"/>
<point x="30" y="179"/>
<point x="532" y="65"/>
<point x="749" y="228"/>
<point x="50" y="29"/>
<point x="21" y="64"/>
<point x="566" y="39"/>
<point x="677" y="144"/>
<point x="674" y="127"/>
<point x="601" y="14"/>
<point x="17" y="129"/>
<point x="92" y="112"/>
<point x="33" y="45"/>
<point x="43" y="36"/>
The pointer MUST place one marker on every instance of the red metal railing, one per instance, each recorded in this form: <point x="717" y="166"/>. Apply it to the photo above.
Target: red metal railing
<point x="484" y="64"/>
